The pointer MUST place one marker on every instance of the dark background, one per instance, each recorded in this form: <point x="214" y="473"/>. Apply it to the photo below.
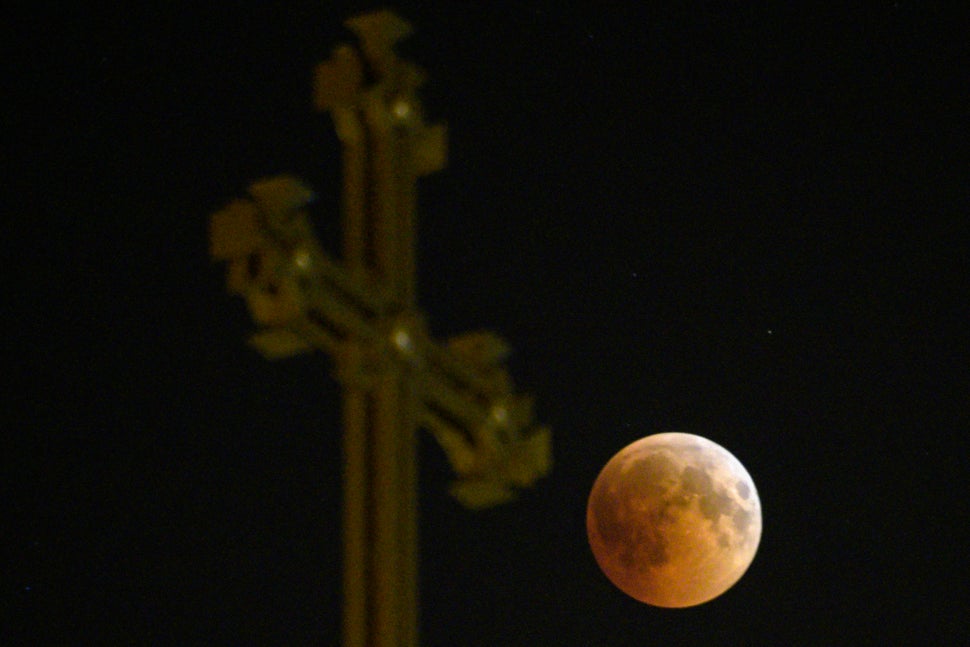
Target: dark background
<point x="741" y="220"/>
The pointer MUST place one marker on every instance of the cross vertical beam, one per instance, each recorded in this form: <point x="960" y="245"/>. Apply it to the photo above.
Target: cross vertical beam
<point x="376" y="127"/>
<point x="379" y="479"/>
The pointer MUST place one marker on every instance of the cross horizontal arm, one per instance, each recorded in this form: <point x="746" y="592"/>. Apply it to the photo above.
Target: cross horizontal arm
<point x="306" y="300"/>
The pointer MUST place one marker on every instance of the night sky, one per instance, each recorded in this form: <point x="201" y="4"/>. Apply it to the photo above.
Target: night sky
<point x="740" y="220"/>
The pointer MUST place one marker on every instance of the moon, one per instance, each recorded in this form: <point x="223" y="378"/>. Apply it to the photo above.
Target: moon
<point x="674" y="520"/>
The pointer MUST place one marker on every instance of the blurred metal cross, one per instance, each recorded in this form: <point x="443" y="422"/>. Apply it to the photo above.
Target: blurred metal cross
<point x="362" y="312"/>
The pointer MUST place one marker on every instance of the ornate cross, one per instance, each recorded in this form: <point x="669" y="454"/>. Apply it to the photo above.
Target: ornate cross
<point x="362" y="312"/>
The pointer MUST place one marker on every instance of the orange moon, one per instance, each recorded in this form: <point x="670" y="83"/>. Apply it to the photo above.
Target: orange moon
<point x="674" y="520"/>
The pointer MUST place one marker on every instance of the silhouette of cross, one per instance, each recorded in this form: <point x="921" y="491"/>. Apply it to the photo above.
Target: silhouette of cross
<point x="362" y="312"/>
